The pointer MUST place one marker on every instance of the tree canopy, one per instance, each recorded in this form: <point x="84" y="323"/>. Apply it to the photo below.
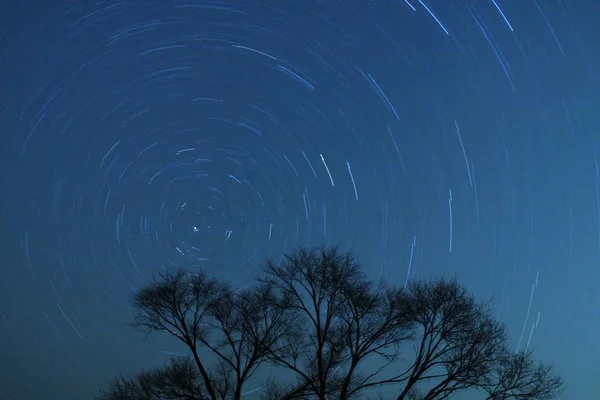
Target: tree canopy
<point x="317" y="322"/>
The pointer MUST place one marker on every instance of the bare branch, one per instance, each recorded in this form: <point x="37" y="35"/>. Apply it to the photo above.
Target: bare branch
<point x="177" y="380"/>
<point x="517" y="376"/>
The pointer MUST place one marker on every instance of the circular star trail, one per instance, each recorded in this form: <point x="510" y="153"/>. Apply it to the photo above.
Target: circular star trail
<point x="431" y="138"/>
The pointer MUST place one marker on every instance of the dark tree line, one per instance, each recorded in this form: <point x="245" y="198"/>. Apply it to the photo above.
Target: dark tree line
<point x="317" y="320"/>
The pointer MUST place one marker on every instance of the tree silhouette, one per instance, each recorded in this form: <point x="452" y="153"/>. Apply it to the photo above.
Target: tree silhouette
<point x="342" y="319"/>
<point x="237" y="327"/>
<point x="178" y="380"/>
<point x="328" y="332"/>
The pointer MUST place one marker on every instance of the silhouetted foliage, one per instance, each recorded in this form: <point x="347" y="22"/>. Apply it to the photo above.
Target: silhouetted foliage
<point x="316" y="319"/>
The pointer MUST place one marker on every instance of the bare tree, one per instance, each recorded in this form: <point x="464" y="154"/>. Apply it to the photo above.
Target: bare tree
<point x="177" y="380"/>
<point x="342" y="320"/>
<point x="235" y="326"/>
<point x="354" y="335"/>
<point x="122" y="388"/>
<point x="458" y="342"/>
<point x="461" y="346"/>
<point x="329" y="333"/>
<point x="517" y="376"/>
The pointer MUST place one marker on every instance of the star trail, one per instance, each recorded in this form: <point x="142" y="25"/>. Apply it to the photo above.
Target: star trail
<point x="432" y="138"/>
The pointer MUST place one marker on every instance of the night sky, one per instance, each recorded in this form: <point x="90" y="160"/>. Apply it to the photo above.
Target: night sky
<point x="441" y="137"/>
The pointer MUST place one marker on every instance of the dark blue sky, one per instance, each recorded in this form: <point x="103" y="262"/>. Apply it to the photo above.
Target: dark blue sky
<point x="457" y="138"/>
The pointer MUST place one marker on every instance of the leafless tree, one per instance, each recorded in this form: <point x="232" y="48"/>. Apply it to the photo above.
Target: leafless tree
<point x="461" y="346"/>
<point x="329" y="333"/>
<point x="356" y="335"/>
<point x="237" y="327"/>
<point x="177" y="380"/>
<point x="342" y="319"/>
<point x="517" y="376"/>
